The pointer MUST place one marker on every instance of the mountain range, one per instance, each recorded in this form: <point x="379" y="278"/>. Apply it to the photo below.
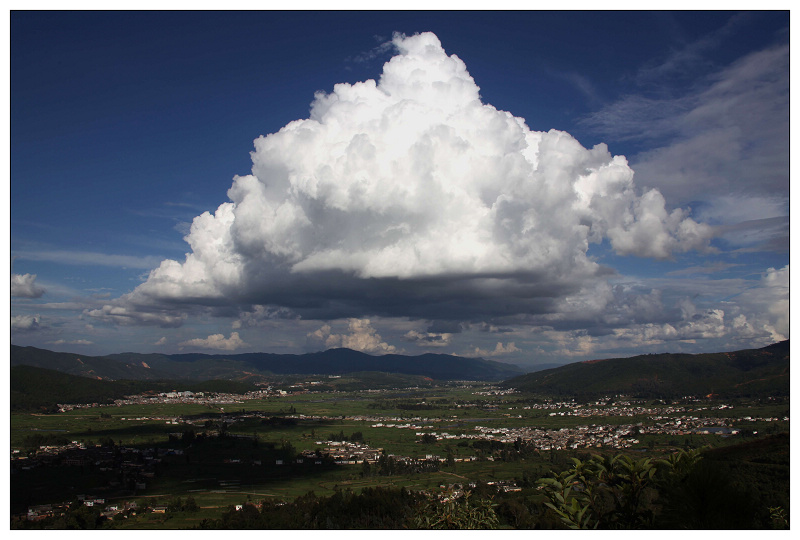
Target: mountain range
<point x="42" y="378"/>
<point x="254" y="366"/>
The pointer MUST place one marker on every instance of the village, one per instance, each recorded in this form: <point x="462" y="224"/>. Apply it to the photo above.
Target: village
<point x="130" y="469"/>
<point x="667" y="419"/>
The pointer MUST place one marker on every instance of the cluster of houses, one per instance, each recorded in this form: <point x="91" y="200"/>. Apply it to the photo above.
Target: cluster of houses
<point x="495" y="391"/>
<point x="347" y="453"/>
<point x="376" y="421"/>
<point x="560" y="439"/>
<point x="451" y="492"/>
<point x="218" y="398"/>
<point x="110" y="510"/>
<point x="620" y="436"/>
<point x="610" y="436"/>
<point x="184" y="397"/>
<point x="215" y="398"/>
<point x="127" y="468"/>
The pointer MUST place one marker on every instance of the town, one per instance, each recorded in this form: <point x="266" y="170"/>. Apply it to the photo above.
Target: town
<point x="499" y="425"/>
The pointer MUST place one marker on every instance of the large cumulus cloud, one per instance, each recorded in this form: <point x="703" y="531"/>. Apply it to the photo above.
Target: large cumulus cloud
<point x="409" y="196"/>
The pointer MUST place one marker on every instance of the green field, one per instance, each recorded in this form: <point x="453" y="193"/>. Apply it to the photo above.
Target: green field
<point x="208" y="470"/>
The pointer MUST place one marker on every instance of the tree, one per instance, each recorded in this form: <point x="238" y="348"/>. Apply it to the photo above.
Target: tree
<point x="366" y="469"/>
<point x="188" y="437"/>
<point x="702" y="496"/>
<point x="175" y="504"/>
<point x="457" y="513"/>
<point x="603" y="492"/>
<point x="618" y="492"/>
<point x="190" y="505"/>
<point x="778" y="518"/>
<point x="288" y="451"/>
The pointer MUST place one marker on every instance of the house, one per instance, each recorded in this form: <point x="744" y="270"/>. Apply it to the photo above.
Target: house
<point x="40" y="512"/>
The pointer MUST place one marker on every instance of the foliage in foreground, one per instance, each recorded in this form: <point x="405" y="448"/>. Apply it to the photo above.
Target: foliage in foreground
<point x="683" y="491"/>
<point x="687" y="490"/>
<point x="680" y="492"/>
<point x="373" y="508"/>
<point x="457" y="513"/>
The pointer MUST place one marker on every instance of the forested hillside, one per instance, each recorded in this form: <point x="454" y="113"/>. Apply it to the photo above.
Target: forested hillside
<point x="35" y="388"/>
<point x="746" y="373"/>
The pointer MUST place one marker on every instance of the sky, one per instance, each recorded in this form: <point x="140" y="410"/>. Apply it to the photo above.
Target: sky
<point x="527" y="187"/>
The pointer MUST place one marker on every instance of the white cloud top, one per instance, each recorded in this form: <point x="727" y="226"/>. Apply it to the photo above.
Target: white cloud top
<point x="412" y="177"/>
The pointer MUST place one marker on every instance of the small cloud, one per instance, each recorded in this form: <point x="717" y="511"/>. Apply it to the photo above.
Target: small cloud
<point x="183" y="227"/>
<point x="499" y="349"/>
<point x="71" y="342"/>
<point x="714" y="268"/>
<point x="217" y="342"/>
<point x="362" y="337"/>
<point x="161" y="341"/>
<point x="87" y="258"/>
<point x="26" y="323"/>
<point x="24" y="286"/>
<point x="123" y="315"/>
<point x="445" y="327"/>
<point x="384" y="46"/>
<point x="487" y="327"/>
<point x="428" y="339"/>
<point x="259" y="315"/>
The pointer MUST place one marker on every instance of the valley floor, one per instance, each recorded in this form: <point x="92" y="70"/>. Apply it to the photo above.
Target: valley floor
<point x="162" y="463"/>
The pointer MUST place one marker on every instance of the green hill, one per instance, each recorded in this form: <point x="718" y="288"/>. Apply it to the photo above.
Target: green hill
<point x="34" y="388"/>
<point x="39" y="388"/>
<point x="751" y="372"/>
<point x="97" y="367"/>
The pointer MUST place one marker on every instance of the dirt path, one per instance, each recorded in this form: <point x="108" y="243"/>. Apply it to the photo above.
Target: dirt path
<point x="454" y="474"/>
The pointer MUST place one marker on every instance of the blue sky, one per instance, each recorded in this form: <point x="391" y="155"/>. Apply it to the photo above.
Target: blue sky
<point x="472" y="199"/>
